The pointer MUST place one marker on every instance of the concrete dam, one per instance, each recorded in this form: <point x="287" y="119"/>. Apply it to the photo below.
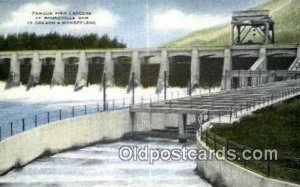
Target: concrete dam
<point x="79" y="144"/>
<point x="266" y="75"/>
<point x="181" y="66"/>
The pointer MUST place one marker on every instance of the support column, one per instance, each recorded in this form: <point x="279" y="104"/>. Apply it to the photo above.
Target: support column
<point x="296" y="64"/>
<point x="59" y="71"/>
<point x="297" y="67"/>
<point x="136" y="69"/>
<point x="82" y="74"/>
<point x="232" y="34"/>
<point x="271" y="77"/>
<point x="261" y="64"/>
<point x="263" y="57"/>
<point x="164" y="66"/>
<point x="255" y="80"/>
<point x="273" y="35"/>
<point x="195" y="69"/>
<point x="35" y="73"/>
<point x="267" y="25"/>
<point x="14" y="72"/>
<point x="109" y="69"/>
<point x="227" y="66"/>
<point x="182" y="122"/>
<point x="239" y="34"/>
<point x="242" y="79"/>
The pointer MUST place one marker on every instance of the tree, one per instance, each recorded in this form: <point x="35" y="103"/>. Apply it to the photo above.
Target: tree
<point x="53" y="40"/>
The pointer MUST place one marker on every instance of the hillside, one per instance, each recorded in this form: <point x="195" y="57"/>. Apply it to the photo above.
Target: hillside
<point x="285" y="13"/>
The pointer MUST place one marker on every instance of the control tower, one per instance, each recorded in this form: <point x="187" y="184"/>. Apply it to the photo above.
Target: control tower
<point x="252" y="27"/>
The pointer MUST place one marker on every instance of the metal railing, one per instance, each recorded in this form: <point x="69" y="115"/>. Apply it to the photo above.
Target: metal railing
<point x="20" y="125"/>
<point x="233" y="111"/>
<point x="283" y="168"/>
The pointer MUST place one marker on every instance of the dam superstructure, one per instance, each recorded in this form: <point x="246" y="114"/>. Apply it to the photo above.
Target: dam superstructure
<point x="252" y="77"/>
<point x="32" y="67"/>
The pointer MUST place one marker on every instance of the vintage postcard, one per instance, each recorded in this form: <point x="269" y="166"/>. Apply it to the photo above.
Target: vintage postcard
<point x="150" y="93"/>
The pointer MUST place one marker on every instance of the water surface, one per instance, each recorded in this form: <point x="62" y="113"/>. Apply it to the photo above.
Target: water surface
<point x="100" y="165"/>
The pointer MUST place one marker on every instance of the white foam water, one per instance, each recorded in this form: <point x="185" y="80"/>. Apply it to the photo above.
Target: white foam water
<point x="43" y="98"/>
<point x="100" y="165"/>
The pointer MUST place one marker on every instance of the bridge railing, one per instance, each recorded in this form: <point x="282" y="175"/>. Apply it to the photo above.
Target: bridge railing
<point x="20" y="125"/>
<point x="229" y="113"/>
<point x="283" y="168"/>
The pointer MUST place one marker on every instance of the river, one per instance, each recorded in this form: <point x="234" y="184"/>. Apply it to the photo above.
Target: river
<point x="100" y="165"/>
<point x="95" y="165"/>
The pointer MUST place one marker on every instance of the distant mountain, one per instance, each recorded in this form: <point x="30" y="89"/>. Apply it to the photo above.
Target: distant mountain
<point x="285" y="13"/>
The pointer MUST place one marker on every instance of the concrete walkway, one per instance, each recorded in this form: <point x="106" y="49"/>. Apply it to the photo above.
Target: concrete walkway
<point x="226" y="106"/>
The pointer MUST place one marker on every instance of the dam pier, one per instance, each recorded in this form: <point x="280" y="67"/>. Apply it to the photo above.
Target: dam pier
<point x="252" y="58"/>
<point x="251" y="75"/>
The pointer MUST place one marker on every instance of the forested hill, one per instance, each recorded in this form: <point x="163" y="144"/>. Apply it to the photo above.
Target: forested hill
<point x="285" y="13"/>
<point x="52" y="41"/>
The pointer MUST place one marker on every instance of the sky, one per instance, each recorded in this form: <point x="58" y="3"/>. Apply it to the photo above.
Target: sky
<point x="138" y="23"/>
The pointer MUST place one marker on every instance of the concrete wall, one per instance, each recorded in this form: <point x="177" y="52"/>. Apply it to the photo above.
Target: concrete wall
<point x="148" y="121"/>
<point x="25" y="147"/>
<point x="114" y="75"/>
<point x="224" y="173"/>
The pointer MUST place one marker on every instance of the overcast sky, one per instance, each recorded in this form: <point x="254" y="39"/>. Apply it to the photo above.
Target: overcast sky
<point x="126" y="19"/>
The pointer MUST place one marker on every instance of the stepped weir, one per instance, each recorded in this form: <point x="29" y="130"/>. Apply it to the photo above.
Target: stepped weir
<point x="223" y="107"/>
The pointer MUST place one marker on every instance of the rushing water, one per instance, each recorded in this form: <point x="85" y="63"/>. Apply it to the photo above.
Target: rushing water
<point x="101" y="165"/>
<point x="43" y="98"/>
<point x="17" y="103"/>
<point x="96" y="165"/>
